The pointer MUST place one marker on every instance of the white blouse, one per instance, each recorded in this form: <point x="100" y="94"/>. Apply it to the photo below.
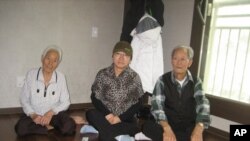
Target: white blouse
<point x="36" y="98"/>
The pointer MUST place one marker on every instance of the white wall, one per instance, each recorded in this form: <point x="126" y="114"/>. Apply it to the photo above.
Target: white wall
<point x="28" y="26"/>
<point x="178" y="25"/>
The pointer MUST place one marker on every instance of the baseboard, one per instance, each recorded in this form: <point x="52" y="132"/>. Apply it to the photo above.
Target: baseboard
<point x="218" y="133"/>
<point x="81" y="106"/>
<point x="18" y="110"/>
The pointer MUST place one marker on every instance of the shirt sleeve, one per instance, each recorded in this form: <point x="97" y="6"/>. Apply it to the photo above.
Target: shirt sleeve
<point x="202" y="105"/>
<point x="129" y="114"/>
<point x="99" y="105"/>
<point x="64" y="100"/>
<point x="157" y="102"/>
<point x="137" y="93"/>
<point x="25" y="95"/>
<point x="97" y="94"/>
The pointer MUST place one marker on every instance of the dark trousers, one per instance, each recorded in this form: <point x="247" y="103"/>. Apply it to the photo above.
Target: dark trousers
<point x="61" y="122"/>
<point x="107" y="131"/>
<point x="155" y="132"/>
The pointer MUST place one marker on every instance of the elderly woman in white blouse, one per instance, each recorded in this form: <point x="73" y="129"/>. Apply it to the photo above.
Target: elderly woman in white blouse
<point x="45" y="98"/>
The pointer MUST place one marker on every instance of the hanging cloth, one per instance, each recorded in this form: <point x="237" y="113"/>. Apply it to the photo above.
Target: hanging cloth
<point x="147" y="51"/>
<point x="136" y="10"/>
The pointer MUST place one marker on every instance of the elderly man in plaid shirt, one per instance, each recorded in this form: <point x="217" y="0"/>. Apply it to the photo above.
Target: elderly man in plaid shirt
<point x="179" y="105"/>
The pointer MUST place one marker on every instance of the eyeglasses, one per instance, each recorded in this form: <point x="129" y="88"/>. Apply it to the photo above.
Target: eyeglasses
<point x="121" y="54"/>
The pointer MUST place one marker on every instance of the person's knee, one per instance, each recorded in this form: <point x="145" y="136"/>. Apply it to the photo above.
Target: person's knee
<point x="69" y="127"/>
<point x="152" y="130"/>
<point x="90" y="113"/>
<point x="19" y="130"/>
<point x="146" y="126"/>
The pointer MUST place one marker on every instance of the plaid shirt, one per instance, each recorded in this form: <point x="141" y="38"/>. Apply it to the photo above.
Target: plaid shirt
<point x="202" y="103"/>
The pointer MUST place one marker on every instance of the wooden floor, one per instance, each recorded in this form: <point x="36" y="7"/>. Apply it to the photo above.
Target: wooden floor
<point x="7" y="133"/>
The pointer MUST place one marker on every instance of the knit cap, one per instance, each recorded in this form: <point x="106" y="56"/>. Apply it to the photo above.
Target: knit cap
<point x="124" y="47"/>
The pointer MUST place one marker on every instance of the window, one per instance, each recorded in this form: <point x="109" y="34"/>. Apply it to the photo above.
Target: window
<point x="227" y="67"/>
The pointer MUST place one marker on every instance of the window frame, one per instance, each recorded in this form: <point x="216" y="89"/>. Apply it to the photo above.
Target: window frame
<point x="222" y="107"/>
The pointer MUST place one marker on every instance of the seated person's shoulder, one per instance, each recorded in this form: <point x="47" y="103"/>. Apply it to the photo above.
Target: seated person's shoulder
<point x="33" y="71"/>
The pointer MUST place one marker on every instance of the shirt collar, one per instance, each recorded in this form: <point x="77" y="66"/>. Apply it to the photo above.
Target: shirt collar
<point x="112" y="70"/>
<point x="189" y="77"/>
<point x="41" y="78"/>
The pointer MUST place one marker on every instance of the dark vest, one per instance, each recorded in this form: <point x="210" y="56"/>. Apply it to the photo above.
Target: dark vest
<point x="180" y="108"/>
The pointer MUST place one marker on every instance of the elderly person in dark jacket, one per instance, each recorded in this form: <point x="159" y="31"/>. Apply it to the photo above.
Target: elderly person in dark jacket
<point x="179" y="105"/>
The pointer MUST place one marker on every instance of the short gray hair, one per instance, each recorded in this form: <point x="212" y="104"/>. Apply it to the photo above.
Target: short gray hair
<point x="54" y="48"/>
<point x="190" y="51"/>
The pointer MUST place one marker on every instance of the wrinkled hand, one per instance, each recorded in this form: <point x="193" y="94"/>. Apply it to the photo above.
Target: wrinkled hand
<point x="197" y="133"/>
<point x="45" y="120"/>
<point x="168" y="134"/>
<point x="110" y="118"/>
<point x="116" y="120"/>
<point x="36" y="118"/>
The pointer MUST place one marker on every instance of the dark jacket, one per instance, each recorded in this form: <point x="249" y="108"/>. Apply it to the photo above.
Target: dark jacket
<point x="180" y="108"/>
